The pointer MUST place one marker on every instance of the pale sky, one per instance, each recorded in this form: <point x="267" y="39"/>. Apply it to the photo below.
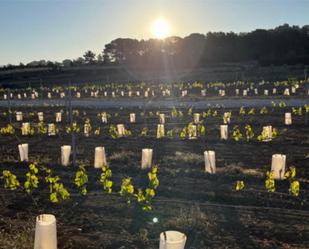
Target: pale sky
<point x="56" y="30"/>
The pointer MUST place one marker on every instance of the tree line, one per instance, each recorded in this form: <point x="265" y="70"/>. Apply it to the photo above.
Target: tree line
<point x="284" y="44"/>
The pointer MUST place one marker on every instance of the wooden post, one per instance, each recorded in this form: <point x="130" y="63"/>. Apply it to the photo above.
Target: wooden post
<point x="71" y="124"/>
<point x="9" y="106"/>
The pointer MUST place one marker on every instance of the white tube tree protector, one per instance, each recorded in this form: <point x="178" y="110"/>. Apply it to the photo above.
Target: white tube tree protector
<point x="51" y="129"/>
<point x="25" y="129"/>
<point x="19" y="96"/>
<point x="65" y="155"/>
<point x="5" y="96"/>
<point x="160" y="131"/>
<point x="226" y="117"/>
<point x="78" y="95"/>
<point x="256" y="91"/>
<point x="137" y="93"/>
<point x="120" y="130"/>
<point x="23" y="152"/>
<point x="40" y="116"/>
<point x="210" y="161"/>
<point x="203" y="92"/>
<point x="99" y="157"/>
<point x="104" y="117"/>
<point x="286" y="92"/>
<point x="45" y="232"/>
<point x="87" y="129"/>
<point x="293" y="89"/>
<point x="132" y="118"/>
<point x="244" y="92"/>
<point x="162" y="118"/>
<point x="266" y="92"/>
<point x="172" y="240"/>
<point x="196" y="118"/>
<point x="288" y="118"/>
<point x="274" y="90"/>
<point x="224" y="132"/>
<point x="278" y="162"/>
<point x="146" y="158"/>
<point x="222" y="93"/>
<point x="58" y="117"/>
<point x="237" y="91"/>
<point x="49" y="95"/>
<point x="19" y="116"/>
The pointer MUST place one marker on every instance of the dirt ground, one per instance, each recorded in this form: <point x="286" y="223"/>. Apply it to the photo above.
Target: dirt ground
<point x="207" y="208"/>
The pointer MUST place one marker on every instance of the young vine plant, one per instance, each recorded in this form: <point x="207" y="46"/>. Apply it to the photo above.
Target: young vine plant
<point x="81" y="180"/>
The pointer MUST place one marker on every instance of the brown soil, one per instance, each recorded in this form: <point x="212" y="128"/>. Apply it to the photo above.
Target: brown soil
<point x="205" y="207"/>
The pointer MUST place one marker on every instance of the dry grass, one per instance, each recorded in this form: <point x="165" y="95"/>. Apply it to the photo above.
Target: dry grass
<point x="237" y="169"/>
<point x="186" y="157"/>
<point x="189" y="220"/>
<point x="123" y="155"/>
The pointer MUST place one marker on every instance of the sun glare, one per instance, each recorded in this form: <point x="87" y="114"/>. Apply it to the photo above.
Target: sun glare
<point x="161" y="28"/>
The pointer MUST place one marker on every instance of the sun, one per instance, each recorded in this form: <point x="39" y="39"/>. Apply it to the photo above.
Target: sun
<point x="161" y="28"/>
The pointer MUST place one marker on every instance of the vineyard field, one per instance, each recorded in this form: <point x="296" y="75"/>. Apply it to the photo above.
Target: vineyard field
<point x="206" y="207"/>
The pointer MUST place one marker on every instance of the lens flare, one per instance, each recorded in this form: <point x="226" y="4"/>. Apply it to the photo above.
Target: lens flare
<point x="161" y="28"/>
<point x="155" y="220"/>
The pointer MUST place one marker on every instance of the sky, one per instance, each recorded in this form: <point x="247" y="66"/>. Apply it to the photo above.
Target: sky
<point x="64" y="29"/>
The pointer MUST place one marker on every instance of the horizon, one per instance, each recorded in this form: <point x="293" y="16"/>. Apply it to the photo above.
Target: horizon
<point x="55" y="31"/>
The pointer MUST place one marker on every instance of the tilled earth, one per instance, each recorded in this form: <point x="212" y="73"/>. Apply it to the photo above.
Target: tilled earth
<point x="205" y="207"/>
